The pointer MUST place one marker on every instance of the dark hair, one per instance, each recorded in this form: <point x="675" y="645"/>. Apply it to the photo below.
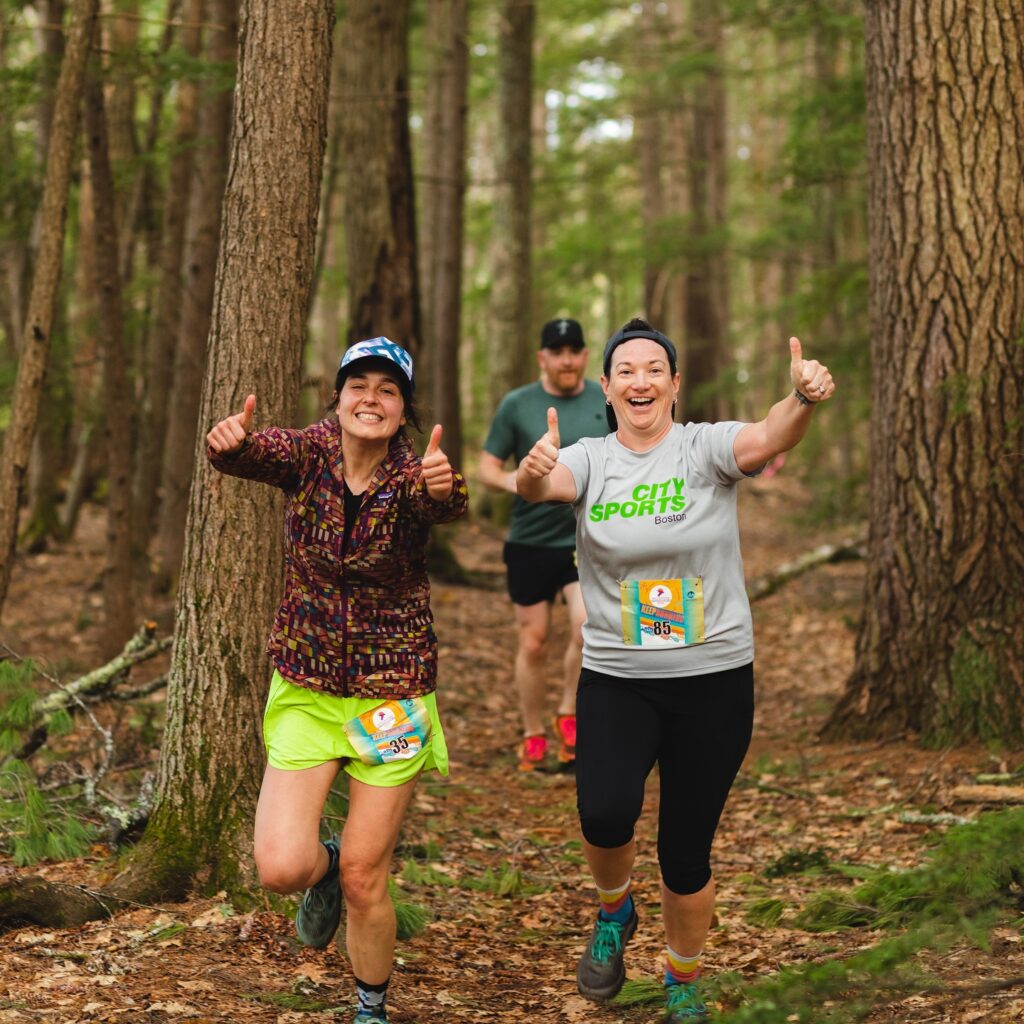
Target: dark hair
<point x="635" y="328"/>
<point x="373" y="363"/>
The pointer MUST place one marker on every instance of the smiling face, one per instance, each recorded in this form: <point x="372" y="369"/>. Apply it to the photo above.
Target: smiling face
<point x="641" y="389"/>
<point x="561" y="369"/>
<point x="370" y="405"/>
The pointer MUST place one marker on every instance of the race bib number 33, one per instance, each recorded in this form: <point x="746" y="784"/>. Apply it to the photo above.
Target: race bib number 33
<point x="662" y="613"/>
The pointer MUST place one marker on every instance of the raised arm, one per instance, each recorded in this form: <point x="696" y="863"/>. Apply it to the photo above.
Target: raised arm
<point x="787" y="421"/>
<point x="540" y="477"/>
<point x="492" y="473"/>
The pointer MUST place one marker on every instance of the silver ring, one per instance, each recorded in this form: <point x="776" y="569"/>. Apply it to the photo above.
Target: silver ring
<point x="821" y="389"/>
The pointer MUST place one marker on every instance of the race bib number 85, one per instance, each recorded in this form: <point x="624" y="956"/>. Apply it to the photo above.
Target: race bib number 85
<point x="662" y="613"/>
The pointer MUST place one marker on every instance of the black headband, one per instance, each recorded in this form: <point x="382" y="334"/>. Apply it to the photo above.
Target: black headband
<point x="623" y="335"/>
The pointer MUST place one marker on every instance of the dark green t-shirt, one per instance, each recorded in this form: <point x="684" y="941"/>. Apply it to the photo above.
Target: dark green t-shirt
<point x="522" y="417"/>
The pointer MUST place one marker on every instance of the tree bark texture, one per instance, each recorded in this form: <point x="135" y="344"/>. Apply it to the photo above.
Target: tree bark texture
<point x="648" y="133"/>
<point x="212" y="755"/>
<point x="941" y="645"/>
<point x="45" y="282"/>
<point x="118" y="607"/>
<point x="510" y="335"/>
<point x="162" y="342"/>
<point x="707" y="302"/>
<point x="445" y="303"/>
<point x="199" y="272"/>
<point x="376" y="174"/>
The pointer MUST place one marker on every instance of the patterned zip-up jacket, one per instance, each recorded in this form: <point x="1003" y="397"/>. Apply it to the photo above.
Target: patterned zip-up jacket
<point x="353" y="623"/>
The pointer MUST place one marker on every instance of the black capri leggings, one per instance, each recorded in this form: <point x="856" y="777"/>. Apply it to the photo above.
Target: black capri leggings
<point x="695" y="728"/>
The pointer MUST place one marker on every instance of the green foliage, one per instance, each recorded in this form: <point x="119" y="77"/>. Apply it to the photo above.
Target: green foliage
<point x="975" y="870"/>
<point x="31" y="827"/>
<point x="766" y="912"/>
<point x="795" y="862"/>
<point x="412" y="918"/>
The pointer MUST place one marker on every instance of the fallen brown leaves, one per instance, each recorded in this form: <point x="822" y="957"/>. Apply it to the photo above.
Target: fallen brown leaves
<point x="488" y="958"/>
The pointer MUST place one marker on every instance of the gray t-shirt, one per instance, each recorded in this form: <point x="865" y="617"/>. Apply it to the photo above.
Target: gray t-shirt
<point x="658" y="547"/>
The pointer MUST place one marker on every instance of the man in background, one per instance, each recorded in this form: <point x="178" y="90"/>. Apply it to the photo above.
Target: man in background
<point x="540" y="550"/>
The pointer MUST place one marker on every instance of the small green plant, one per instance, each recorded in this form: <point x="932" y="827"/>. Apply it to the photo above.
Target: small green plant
<point x="412" y="918"/>
<point x="33" y="828"/>
<point x="796" y="862"/>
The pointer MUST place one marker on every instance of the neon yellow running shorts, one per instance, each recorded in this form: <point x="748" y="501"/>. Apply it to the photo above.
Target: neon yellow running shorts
<point x="303" y="728"/>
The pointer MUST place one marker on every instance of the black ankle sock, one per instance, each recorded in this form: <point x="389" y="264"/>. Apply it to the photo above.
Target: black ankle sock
<point x="332" y="860"/>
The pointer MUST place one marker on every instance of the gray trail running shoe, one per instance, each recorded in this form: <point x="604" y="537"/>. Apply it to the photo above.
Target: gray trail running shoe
<point x="601" y="970"/>
<point x="377" y="1018"/>
<point x="683" y="1005"/>
<point x="320" y="910"/>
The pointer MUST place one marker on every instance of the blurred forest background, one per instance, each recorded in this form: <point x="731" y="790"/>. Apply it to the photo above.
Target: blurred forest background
<point x="200" y="201"/>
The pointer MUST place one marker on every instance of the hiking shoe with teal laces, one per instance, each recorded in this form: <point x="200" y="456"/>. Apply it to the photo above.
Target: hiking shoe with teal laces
<point x="320" y="910"/>
<point x="374" y="1018"/>
<point x="601" y="970"/>
<point x="683" y="1005"/>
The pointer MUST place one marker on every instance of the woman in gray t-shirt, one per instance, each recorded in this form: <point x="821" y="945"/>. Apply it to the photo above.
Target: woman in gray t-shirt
<point x="668" y="645"/>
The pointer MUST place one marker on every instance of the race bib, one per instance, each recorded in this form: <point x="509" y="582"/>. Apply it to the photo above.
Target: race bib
<point x="393" y="731"/>
<point x="662" y="613"/>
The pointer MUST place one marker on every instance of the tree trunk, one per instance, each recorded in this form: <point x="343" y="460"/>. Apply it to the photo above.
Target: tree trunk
<point x="86" y="405"/>
<point x="163" y="334"/>
<point x="510" y="334"/>
<point x="707" y="318"/>
<point x="446" y="299"/>
<point x="941" y="644"/>
<point x="45" y="283"/>
<point x="49" y="444"/>
<point x="200" y="265"/>
<point x="377" y="183"/>
<point x="118" y="607"/>
<point x="647" y="120"/>
<point x="199" y="830"/>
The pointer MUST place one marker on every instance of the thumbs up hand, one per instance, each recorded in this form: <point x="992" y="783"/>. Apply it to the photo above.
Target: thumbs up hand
<point x="543" y="456"/>
<point x="809" y="377"/>
<point x="435" y="469"/>
<point x="229" y="435"/>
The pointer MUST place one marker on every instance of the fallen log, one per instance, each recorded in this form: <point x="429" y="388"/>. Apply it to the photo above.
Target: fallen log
<point x="67" y="697"/>
<point x="29" y="899"/>
<point x="773" y="580"/>
<point x="988" y="794"/>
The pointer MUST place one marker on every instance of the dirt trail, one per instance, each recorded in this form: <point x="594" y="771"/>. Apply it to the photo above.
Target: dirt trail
<point x="491" y="955"/>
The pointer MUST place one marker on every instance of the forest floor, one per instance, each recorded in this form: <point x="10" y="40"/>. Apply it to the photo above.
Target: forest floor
<point x="486" y="956"/>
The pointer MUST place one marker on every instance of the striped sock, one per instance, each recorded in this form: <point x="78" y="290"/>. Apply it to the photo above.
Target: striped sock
<point x="679" y="969"/>
<point x="616" y="904"/>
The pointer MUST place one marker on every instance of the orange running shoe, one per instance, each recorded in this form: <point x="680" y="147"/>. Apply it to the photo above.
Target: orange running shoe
<point x="565" y="728"/>
<point x="532" y="752"/>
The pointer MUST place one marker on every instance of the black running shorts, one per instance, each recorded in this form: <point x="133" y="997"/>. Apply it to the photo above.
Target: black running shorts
<point x="536" y="574"/>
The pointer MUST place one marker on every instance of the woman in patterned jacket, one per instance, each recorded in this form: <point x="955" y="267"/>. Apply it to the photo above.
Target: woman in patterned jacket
<point x="353" y="647"/>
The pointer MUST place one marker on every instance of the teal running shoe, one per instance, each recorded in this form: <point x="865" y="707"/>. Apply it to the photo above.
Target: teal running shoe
<point x="683" y="1005"/>
<point x="601" y="970"/>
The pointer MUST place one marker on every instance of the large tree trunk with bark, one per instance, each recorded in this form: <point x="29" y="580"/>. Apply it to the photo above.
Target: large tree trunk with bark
<point x="707" y="302"/>
<point x="510" y="336"/>
<point x="451" y="18"/>
<point x="163" y="336"/>
<point x="199" y="271"/>
<point x="941" y="645"/>
<point x="376" y="173"/>
<point x="118" y="606"/>
<point x="45" y="283"/>
<point x="211" y="759"/>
